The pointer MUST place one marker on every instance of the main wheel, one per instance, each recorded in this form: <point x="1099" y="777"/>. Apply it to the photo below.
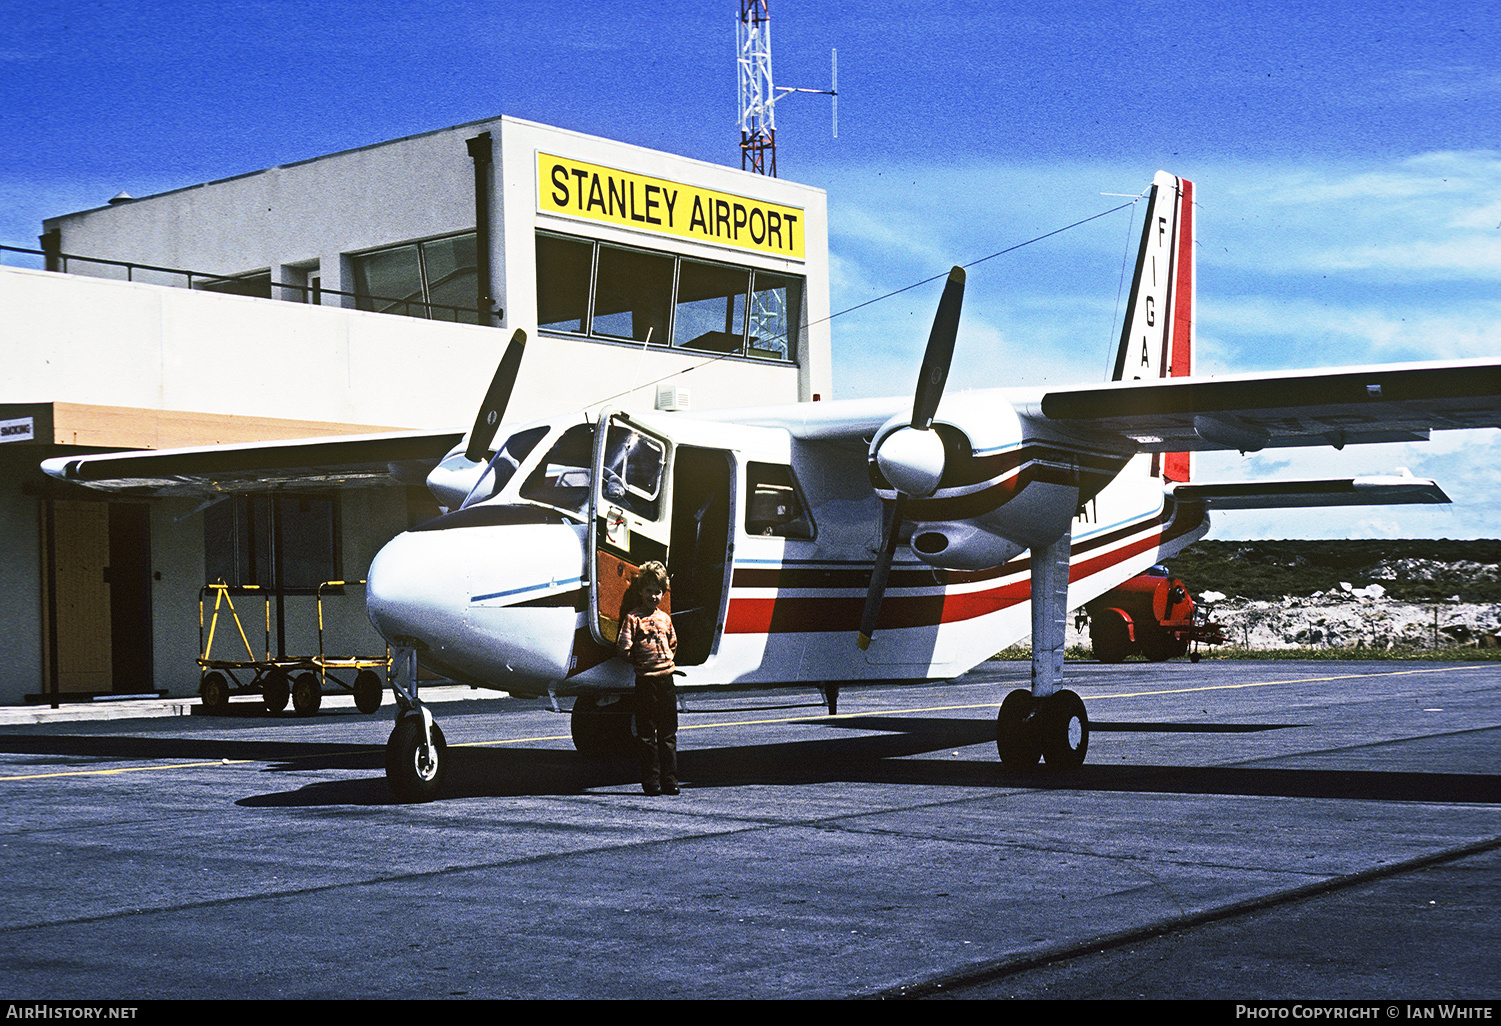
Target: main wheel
<point x="414" y="769"/>
<point x="603" y="726"/>
<point x="1014" y="740"/>
<point x="307" y="693"/>
<point x="1109" y="636"/>
<point x="215" y="692"/>
<point x="275" y="691"/>
<point x="1063" y="730"/>
<point x="368" y="691"/>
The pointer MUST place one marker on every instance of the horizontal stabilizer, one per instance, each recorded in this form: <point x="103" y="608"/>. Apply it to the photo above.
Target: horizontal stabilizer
<point x="1375" y="490"/>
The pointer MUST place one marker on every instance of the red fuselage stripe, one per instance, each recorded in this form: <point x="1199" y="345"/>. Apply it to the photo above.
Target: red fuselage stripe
<point x="790" y="613"/>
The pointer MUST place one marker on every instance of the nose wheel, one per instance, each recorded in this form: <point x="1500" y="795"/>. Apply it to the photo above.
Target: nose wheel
<point x="416" y="758"/>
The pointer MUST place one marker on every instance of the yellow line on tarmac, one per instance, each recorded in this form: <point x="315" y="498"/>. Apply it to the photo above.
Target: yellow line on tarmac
<point x="128" y="769"/>
<point x="1093" y="697"/>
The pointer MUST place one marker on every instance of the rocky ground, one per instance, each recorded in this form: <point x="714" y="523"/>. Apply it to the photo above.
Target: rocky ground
<point x="1349" y="595"/>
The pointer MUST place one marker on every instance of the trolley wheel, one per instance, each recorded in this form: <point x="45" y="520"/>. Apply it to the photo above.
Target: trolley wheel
<point x="275" y="690"/>
<point x="415" y="770"/>
<point x="214" y="690"/>
<point x="307" y="693"/>
<point x="369" y="689"/>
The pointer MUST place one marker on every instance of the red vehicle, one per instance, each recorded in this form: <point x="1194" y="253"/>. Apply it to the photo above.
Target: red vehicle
<point x="1152" y="615"/>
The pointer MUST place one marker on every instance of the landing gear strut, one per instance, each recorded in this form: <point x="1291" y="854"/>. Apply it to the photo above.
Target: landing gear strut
<point x="1045" y="722"/>
<point x="416" y="753"/>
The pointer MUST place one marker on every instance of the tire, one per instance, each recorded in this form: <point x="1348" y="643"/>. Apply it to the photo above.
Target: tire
<point x="1109" y="636"/>
<point x="214" y="690"/>
<point x="369" y="690"/>
<point x="275" y="691"/>
<point x="1014" y="741"/>
<point x="1063" y="730"/>
<point x="604" y="727"/>
<point x="413" y="776"/>
<point x="307" y="693"/>
<point x="1159" y="646"/>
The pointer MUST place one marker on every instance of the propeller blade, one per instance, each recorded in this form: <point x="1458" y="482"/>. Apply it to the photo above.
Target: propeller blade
<point x="878" y="575"/>
<point x="494" y="407"/>
<point x="940" y="352"/>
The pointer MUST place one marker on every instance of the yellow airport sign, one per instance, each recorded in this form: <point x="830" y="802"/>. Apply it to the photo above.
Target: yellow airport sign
<point x="574" y="188"/>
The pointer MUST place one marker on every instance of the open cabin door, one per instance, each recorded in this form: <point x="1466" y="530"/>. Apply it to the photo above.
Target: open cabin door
<point x="654" y="499"/>
<point x="629" y="517"/>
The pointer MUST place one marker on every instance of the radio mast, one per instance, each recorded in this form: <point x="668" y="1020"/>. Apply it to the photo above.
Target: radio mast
<point x="758" y="96"/>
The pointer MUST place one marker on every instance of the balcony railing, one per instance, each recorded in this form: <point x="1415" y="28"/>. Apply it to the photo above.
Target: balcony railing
<point x="259" y="285"/>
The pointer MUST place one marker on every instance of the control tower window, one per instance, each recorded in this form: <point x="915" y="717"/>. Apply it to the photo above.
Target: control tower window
<point x="710" y="312"/>
<point x="597" y="290"/>
<point x="632" y="292"/>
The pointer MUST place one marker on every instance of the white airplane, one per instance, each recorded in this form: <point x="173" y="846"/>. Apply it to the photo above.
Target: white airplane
<point x="831" y="542"/>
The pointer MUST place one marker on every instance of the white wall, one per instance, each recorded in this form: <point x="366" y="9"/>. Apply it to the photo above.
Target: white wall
<point x="89" y="340"/>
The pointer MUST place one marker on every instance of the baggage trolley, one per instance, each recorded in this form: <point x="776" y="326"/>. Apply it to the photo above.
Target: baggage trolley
<point x="301" y="679"/>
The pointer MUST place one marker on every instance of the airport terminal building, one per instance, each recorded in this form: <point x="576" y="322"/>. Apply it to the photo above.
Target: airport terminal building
<point x="364" y="291"/>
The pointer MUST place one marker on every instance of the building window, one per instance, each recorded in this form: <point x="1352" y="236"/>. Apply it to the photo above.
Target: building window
<point x="710" y="312"/>
<point x="599" y="290"/>
<point x="435" y="279"/>
<point x="256" y="284"/>
<point x="280" y="542"/>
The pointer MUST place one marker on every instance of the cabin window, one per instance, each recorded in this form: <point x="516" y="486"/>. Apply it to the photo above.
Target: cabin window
<point x="434" y="279"/>
<point x="633" y="471"/>
<point x="283" y="542"/>
<point x="774" y="504"/>
<point x="615" y="293"/>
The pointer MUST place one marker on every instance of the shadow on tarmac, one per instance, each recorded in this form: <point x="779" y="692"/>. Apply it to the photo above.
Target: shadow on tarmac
<point x="890" y="757"/>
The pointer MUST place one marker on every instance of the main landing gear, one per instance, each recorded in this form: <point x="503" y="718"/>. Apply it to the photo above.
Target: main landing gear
<point x="1055" y="729"/>
<point x="1045" y="722"/>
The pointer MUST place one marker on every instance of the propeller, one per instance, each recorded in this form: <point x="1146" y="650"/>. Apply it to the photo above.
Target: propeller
<point x="911" y="457"/>
<point x="487" y="422"/>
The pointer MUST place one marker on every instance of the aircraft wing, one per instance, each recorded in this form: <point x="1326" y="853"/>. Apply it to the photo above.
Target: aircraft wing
<point x="1341" y="406"/>
<point x="348" y="460"/>
<point x="1373" y="490"/>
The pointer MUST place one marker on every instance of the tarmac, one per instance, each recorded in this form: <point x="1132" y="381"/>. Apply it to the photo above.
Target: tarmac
<point x="1257" y="832"/>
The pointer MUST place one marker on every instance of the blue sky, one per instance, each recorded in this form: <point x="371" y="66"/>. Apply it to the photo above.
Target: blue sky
<point x="1349" y="183"/>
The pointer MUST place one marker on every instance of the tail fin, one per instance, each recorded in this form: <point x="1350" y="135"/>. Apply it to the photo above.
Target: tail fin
<point x="1157" y="339"/>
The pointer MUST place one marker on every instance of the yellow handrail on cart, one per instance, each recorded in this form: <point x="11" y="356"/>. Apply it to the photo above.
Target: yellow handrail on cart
<point x="221" y="596"/>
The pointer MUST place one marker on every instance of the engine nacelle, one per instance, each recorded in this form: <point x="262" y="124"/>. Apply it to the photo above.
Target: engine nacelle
<point x="961" y="546"/>
<point x="1002" y="488"/>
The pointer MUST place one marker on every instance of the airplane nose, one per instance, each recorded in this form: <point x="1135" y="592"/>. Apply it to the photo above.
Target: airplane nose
<point x="414" y="595"/>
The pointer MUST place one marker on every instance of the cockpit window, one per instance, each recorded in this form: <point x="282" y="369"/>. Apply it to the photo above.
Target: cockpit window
<point x="562" y="478"/>
<point x="633" y="470"/>
<point x="503" y="465"/>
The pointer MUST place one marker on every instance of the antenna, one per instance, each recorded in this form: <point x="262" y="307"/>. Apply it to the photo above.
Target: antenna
<point x="758" y="96"/>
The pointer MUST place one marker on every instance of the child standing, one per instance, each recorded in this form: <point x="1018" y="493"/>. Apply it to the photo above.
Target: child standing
<point x="648" y="642"/>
